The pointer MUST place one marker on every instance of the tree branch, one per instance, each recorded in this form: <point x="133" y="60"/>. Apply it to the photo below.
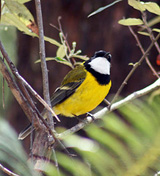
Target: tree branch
<point x="7" y="171"/>
<point x="104" y="111"/>
<point x="43" y="60"/>
<point x="142" y="50"/>
<point x="46" y="141"/>
<point x="151" y="35"/>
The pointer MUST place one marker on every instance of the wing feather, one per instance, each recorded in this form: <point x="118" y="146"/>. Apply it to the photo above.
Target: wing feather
<point x="69" y="85"/>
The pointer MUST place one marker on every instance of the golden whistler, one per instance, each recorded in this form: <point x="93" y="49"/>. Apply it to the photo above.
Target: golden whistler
<point x="82" y="89"/>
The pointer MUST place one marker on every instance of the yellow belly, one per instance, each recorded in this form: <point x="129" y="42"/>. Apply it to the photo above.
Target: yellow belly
<point x="87" y="97"/>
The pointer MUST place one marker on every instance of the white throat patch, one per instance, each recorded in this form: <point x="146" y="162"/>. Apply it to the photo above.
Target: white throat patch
<point x="100" y="65"/>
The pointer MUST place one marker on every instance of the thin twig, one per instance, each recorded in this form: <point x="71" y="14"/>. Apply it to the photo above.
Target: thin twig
<point x="142" y="50"/>
<point x="151" y="35"/>
<point x="106" y="101"/>
<point x="64" y="37"/>
<point x="3" y="90"/>
<point x="104" y="111"/>
<point x="66" y="43"/>
<point x="135" y="66"/>
<point x="43" y="60"/>
<point x="56" y="161"/>
<point x="61" y="30"/>
<point x="7" y="171"/>
<point x="3" y="94"/>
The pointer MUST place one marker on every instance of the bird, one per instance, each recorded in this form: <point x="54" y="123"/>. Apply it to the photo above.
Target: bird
<point x="82" y="89"/>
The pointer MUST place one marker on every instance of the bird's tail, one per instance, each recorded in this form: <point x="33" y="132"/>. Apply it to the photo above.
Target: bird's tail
<point x="28" y="130"/>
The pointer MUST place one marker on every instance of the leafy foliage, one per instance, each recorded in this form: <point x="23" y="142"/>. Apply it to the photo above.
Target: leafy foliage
<point x="151" y="7"/>
<point x="12" y="154"/>
<point x="118" y="146"/>
<point x="8" y="38"/>
<point x="124" y="144"/>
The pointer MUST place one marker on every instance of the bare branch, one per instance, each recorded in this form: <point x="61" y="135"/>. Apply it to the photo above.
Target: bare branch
<point x="65" y="42"/>
<point x="142" y="50"/>
<point x="43" y="60"/>
<point x="3" y="94"/>
<point x="7" y="171"/>
<point x="104" y="111"/>
<point x="151" y="35"/>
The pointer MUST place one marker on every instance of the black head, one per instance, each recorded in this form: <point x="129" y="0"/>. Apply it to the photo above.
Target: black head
<point x="99" y="66"/>
<point x="102" y="53"/>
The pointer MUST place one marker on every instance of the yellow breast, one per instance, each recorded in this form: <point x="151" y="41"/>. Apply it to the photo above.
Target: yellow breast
<point x="87" y="97"/>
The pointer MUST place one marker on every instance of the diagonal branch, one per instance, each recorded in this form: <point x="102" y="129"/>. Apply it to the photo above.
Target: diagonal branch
<point x="21" y="79"/>
<point x="151" y="35"/>
<point x="104" y="111"/>
<point x="7" y="171"/>
<point x="143" y="52"/>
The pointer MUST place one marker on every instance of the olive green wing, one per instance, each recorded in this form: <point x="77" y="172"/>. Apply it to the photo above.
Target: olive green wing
<point x="69" y="85"/>
<point x="75" y="75"/>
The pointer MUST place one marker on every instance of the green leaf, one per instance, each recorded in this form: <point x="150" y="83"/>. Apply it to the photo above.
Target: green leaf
<point x="144" y="123"/>
<point x="51" y="170"/>
<point x="61" y="52"/>
<point x="57" y="59"/>
<point x="20" y="17"/>
<point x="139" y="5"/>
<point x="73" y="166"/>
<point x="103" y="8"/>
<point x="22" y="1"/>
<point x="142" y="6"/>
<point x="11" y="151"/>
<point x="156" y="30"/>
<point x="52" y="41"/>
<point x="144" y="33"/>
<point x="61" y="60"/>
<point x="80" y="57"/>
<point x="154" y="21"/>
<point x="152" y="7"/>
<point x="11" y="19"/>
<point x="106" y="162"/>
<point x="117" y="126"/>
<point x="110" y="142"/>
<point x="20" y="10"/>
<point x="130" y="22"/>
